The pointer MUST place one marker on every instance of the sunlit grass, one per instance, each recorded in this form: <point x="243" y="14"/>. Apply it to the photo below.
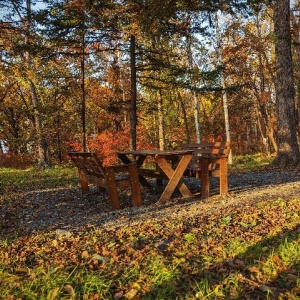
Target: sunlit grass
<point x="15" y="180"/>
<point x="221" y="265"/>
<point x="250" y="163"/>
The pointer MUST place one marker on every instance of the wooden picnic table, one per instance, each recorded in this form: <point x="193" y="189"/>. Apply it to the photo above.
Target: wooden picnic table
<point x="209" y="160"/>
<point x="164" y="169"/>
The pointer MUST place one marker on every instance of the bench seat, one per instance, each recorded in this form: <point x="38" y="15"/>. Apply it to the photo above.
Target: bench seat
<point x="91" y="171"/>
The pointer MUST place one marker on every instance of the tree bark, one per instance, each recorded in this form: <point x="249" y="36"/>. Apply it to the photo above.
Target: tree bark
<point x="186" y="124"/>
<point x="288" y="149"/>
<point x="197" y="118"/>
<point x="133" y="114"/>
<point x="38" y="122"/>
<point x="264" y="100"/>
<point x="42" y="145"/>
<point x="196" y="102"/>
<point x="223" y="86"/>
<point x="161" y="133"/>
<point x="83" y="114"/>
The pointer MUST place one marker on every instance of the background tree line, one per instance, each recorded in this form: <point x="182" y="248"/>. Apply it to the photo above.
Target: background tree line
<point x="112" y="75"/>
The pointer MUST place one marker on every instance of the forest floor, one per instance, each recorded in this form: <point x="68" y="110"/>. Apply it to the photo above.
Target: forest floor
<point x="56" y="243"/>
<point x="48" y="210"/>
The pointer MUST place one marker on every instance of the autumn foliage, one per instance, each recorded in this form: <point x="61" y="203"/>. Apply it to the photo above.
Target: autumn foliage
<point x="108" y="143"/>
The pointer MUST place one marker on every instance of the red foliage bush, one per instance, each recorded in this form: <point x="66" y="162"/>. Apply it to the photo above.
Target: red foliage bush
<point x="108" y="143"/>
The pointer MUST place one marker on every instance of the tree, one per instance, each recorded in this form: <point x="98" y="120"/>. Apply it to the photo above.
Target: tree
<point x="21" y="61"/>
<point x="223" y="85"/>
<point x="288" y="150"/>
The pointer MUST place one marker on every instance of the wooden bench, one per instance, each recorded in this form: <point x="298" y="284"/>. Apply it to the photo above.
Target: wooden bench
<point x="209" y="160"/>
<point x="91" y="171"/>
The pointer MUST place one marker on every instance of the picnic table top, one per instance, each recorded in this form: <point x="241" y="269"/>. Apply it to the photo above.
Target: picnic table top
<point x="157" y="152"/>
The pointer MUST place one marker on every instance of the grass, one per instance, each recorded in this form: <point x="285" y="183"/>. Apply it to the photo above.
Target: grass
<point x="250" y="163"/>
<point x="14" y="180"/>
<point x="251" y="252"/>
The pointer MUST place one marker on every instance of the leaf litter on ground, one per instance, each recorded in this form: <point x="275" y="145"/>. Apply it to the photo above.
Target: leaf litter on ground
<point x="244" y="246"/>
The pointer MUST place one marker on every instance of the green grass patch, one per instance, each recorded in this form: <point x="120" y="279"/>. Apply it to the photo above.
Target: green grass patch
<point x="250" y="163"/>
<point x="16" y="180"/>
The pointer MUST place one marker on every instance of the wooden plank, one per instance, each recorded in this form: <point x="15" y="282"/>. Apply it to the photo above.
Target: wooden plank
<point x="83" y="183"/>
<point x="174" y="177"/>
<point x="135" y="186"/>
<point x="112" y="187"/>
<point x="205" y="178"/>
<point x="223" y="177"/>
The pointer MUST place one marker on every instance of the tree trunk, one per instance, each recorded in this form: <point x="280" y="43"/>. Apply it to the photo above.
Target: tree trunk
<point x="133" y="115"/>
<point x="186" y="125"/>
<point x="196" y="102"/>
<point x="161" y="133"/>
<point x="295" y="20"/>
<point x="266" y="130"/>
<point x="288" y="151"/>
<point x="197" y="118"/>
<point x="224" y="94"/>
<point x="82" y="82"/>
<point x="41" y="139"/>
<point x="83" y="120"/>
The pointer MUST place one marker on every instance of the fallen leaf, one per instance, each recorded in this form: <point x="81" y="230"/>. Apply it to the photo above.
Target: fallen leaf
<point x="119" y="295"/>
<point x="85" y="254"/>
<point x="100" y="258"/>
<point x="69" y="289"/>
<point x="131" y="294"/>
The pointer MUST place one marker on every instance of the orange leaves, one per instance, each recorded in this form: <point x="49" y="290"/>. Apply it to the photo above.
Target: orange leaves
<point x="109" y="142"/>
<point x="85" y="254"/>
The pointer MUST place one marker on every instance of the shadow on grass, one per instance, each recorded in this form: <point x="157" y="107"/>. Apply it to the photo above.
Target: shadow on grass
<point x="249" y="275"/>
<point x="239" y="277"/>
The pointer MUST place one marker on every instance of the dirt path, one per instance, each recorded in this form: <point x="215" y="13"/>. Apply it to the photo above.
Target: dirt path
<point x="66" y="209"/>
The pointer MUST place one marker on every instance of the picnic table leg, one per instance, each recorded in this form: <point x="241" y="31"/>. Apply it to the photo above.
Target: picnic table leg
<point x="139" y="161"/>
<point x="223" y="176"/>
<point x="84" y="183"/>
<point x="112" y="187"/>
<point x="204" y="177"/>
<point x="135" y="185"/>
<point x="174" y="177"/>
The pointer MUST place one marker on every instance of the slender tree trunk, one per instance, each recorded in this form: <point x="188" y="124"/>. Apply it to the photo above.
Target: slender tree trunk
<point x="133" y="109"/>
<point x="224" y="94"/>
<point x="161" y="133"/>
<point x="82" y="71"/>
<point x="197" y="118"/>
<point x="186" y="125"/>
<point x="196" y="102"/>
<point x="297" y="51"/>
<point x="41" y="140"/>
<point x="288" y="150"/>
<point x="83" y="114"/>
<point x="38" y="122"/>
<point x="261" y="129"/>
<point x="264" y="120"/>
<point x="262" y="105"/>
<point x="122" y="84"/>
